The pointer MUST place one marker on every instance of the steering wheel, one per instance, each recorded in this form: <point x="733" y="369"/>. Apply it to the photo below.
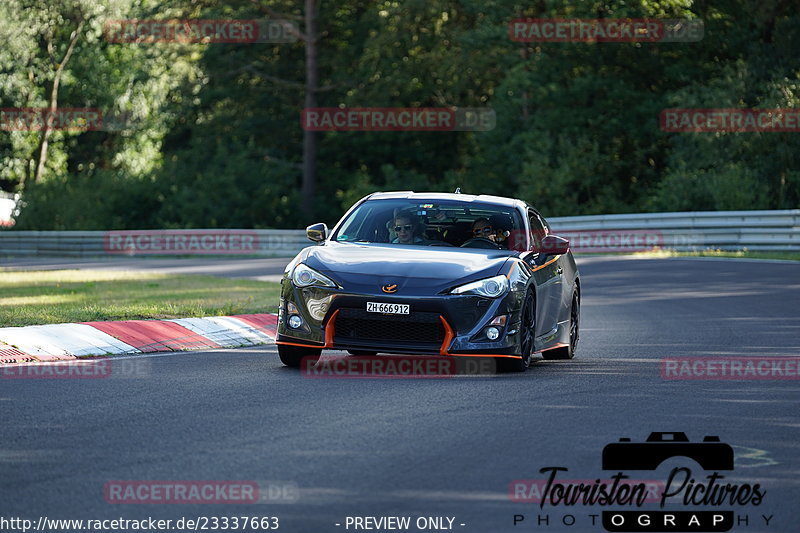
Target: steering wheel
<point x="481" y="242"/>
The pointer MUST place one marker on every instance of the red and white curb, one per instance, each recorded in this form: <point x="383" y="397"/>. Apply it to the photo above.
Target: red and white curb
<point x="55" y="342"/>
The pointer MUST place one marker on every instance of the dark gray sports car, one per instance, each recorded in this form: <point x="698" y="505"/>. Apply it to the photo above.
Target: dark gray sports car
<point x="433" y="273"/>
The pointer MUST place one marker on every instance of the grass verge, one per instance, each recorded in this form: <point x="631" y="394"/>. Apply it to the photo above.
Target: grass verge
<point x="56" y="296"/>
<point x="746" y="254"/>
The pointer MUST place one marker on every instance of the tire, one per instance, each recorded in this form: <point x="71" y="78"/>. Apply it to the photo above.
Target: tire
<point x="527" y="328"/>
<point x="293" y="356"/>
<point x="568" y="352"/>
<point x="361" y="352"/>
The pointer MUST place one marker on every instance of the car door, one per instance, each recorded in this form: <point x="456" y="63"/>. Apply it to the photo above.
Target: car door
<point x="548" y="274"/>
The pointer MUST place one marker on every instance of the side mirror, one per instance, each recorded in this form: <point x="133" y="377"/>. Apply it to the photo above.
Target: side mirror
<point x="317" y="232"/>
<point x="554" y="245"/>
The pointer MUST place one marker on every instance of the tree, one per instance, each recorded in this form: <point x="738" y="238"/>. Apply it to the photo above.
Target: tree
<point x="59" y="64"/>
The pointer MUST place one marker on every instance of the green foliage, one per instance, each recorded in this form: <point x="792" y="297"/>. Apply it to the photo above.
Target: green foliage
<point x="98" y="200"/>
<point x="216" y="140"/>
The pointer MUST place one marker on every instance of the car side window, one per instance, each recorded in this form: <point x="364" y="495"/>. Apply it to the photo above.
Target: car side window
<point x="537" y="231"/>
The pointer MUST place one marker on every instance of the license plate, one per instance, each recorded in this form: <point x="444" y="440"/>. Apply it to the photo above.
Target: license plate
<point x="388" y="309"/>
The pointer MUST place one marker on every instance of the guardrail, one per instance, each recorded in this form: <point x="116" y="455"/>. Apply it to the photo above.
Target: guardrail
<point x="699" y="230"/>
<point x="725" y="230"/>
<point x="275" y="243"/>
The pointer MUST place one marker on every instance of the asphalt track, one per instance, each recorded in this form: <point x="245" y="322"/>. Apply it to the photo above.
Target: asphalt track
<point x="429" y="447"/>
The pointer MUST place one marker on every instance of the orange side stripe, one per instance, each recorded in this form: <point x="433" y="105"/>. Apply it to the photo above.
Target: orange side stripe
<point x="485" y="355"/>
<point x="449" y="335"/>
<point x="330" y="329"/>
<point x="299" y="344"/>
<point x="544" y="265"/>
<point x="559" y="345"/>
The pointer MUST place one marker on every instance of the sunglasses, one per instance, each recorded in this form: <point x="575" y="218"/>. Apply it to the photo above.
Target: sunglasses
<point x="483" y="231"/>
<point x="406" y="227"/>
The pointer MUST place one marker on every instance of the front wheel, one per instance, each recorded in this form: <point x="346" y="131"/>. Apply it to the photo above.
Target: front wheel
<point x="293" y="355"/>
<point x="527" y="331"/>
<point x="568" y="352"/>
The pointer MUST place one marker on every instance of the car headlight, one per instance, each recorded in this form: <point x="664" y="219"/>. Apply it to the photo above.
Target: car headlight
<point x="491" y="287"/>
<point x="305" y="276"/>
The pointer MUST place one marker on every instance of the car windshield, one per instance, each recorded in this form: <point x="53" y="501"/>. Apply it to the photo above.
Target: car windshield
<point x="434" y="223"/>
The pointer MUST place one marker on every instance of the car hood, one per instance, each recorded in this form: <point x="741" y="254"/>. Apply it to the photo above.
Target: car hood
<point x="416" y="270"/>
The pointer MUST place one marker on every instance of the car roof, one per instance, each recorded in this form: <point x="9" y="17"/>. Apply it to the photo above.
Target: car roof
<point x="484" y="198"/>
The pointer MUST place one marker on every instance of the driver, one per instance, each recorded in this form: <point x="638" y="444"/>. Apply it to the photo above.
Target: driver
<point x="407" y="228"/>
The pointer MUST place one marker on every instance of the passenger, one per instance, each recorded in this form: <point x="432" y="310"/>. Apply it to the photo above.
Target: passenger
<point x="483" y="229"/>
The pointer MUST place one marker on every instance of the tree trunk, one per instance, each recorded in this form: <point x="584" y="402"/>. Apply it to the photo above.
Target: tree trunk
<point x="44" y="140"/>
<point x="310" y="137"/>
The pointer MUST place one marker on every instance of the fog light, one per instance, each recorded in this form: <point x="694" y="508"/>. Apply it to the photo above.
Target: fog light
<point x="492" y="333"/>
<point x="295" y="321"/>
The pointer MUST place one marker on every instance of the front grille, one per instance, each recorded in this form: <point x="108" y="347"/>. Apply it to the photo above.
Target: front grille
<point x="358" y="325"/>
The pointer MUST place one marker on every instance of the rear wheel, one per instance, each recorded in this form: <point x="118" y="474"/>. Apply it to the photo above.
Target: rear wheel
<point x="527" y="333"/>
<point x="568" y="352"/>
<point x="294" y="356"/>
